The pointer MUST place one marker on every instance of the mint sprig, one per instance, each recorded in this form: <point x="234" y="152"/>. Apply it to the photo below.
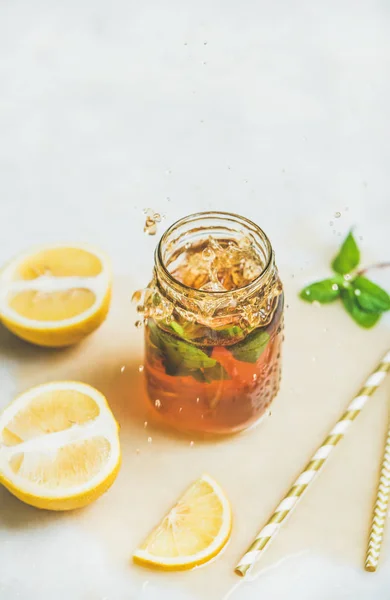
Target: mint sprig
<point x="363" y="299"/>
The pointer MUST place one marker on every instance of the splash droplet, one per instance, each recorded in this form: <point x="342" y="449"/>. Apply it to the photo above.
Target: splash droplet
<point x="150" y="440"/>
<point x="331" y="223"/>
<point x="140" y="368"/>
<point x="157" y="403"/>
<point x="180" y="409"/>
<point x="123" y="368"/>
<point x="197" y="400"/>
<point x="137" y="451"/>
<point x="145" y="424"/>
<point x="138" y="324"/>
<point x="335" y="287"/>
<point x="254" y="376"/>
<point x="337" y="214"/>
<point x="191" y="443"/>
<point x="136" y="297"/>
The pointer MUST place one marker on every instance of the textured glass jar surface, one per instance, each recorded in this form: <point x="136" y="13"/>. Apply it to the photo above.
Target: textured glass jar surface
<point x="213" y="324"/>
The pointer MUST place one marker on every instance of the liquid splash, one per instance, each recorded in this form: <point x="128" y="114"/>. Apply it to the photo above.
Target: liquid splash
<point x="151" y="221"/>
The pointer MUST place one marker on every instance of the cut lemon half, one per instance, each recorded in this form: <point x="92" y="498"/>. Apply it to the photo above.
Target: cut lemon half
<point x="59" y="446"/>
<point x="193" y="532"/>
<point x="55" y="296"/>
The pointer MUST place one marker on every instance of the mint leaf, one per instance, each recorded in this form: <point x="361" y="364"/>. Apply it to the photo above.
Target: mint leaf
<point x="351" y="305"/>
<point x="324" y="291"/>
<point x="180" y="358"/>
<point x="251" y="348"/>
<point x="348" y="257"/>
<point x="177" y="328"/>
<point x="216" y="373"/>
<point x="232" y="331"/>
<point x="370" y="296"/>
<point x="178" y="354"/>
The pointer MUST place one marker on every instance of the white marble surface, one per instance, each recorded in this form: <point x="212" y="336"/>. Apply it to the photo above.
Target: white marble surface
<point x="277" y="110"/>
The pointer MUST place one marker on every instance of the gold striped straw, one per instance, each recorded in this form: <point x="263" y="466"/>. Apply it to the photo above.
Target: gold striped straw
<point x="380" y="512"/>
<point x="301" y="484"/>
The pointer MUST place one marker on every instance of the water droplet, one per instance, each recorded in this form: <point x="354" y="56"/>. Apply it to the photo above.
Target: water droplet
<point x="123" y="368"/>
<point x="197" y="400"/>
<point x="138" y="324"/>
<point x="348" y="277"/>
<point x="361" y="238"/>
<point x="180" y="409"/>
<point x="157" y="403"/>
<point x="337" y="214"/>
<point x="335" y="287"/>
<point x="331" y="223"/>
<point x="254" y="376"/>
<point x="357" y="292"/>
<point x="316" y="303"/>
<point x="150" y="440"/>
<point x="145" y="424"/>
<point x="140" y="368"/>
<point x="136" y="297"/>
<point x="204" y="43"/>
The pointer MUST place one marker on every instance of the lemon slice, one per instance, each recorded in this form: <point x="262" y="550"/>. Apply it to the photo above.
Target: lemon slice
<point x="59" y="446"/>
<point x="193" y="532"/>
<point x="55" y="296"/>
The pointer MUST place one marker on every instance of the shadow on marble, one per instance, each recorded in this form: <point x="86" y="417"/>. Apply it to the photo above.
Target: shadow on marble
<point x="14" y="514"/>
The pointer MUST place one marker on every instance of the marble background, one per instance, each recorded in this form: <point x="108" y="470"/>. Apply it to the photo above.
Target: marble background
<point x="278" y="110"/>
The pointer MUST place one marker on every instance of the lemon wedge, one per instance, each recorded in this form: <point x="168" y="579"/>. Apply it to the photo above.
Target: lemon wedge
<point x="55" y="296"/>
<point x="59" y="446"/>
<point x="193" y="532"/>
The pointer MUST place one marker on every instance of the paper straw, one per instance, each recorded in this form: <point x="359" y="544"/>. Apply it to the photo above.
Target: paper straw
<point x="301" y="484"/>
<point x="380" y="512"/>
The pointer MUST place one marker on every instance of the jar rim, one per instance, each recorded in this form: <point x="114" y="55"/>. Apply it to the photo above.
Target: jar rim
<point x="216" y="215"/>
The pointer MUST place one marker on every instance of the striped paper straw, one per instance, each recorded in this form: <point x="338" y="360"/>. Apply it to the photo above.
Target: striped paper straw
<point x="380" y="512"/>
<point x="314" y="466"/>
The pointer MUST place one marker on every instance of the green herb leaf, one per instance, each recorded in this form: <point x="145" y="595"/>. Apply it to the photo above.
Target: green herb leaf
<point x="351" y="305"/>
<point x="180" y="358"/>
<point x="178" y="354"/>
<point x="177" y="328"/>
<point x="216" y="373"/>
<point x="348" y="257"/>
<point x="370" y="296"/>
<point x="251" y="348"/>
<point x="324" y="291"/>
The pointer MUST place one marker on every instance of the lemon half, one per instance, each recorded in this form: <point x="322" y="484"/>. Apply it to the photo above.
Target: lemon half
<point x="193" y="532"/>
<point x="55" y="296"/>
<point x="59" y="446"/>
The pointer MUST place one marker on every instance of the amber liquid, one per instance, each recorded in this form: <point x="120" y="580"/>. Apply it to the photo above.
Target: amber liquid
<point x="227" y="405"/>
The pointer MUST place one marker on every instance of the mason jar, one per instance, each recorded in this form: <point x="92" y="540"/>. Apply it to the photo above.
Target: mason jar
<point x="213" y="324"/>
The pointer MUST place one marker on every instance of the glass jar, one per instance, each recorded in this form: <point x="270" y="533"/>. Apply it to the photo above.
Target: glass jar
<point x="213" y="324"/>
